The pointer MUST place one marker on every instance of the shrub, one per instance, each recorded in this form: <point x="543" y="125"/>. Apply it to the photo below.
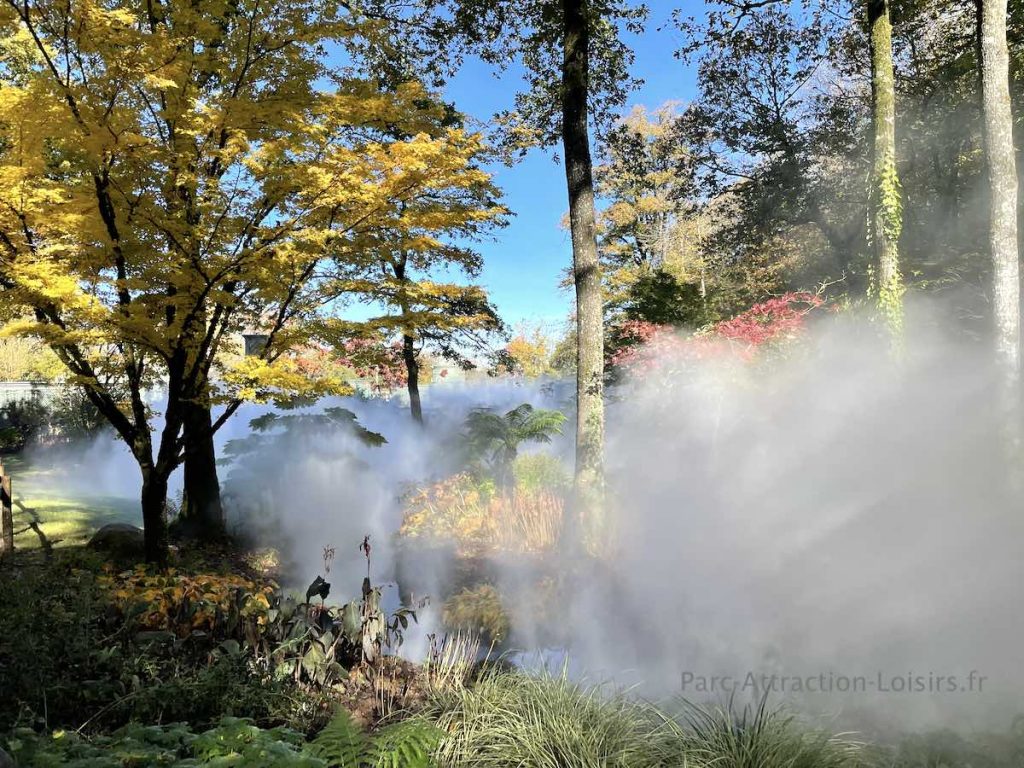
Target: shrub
<point x="175" y="683"/>
<point x="183" y="603"/>
<point x="540" y="472"/>
<point x="472" y="515"/>
<point x="21" y="421"/>
<point x="71" y="651"/>
<point x="232" y="742"/>
<point x="478" y="611"/>
<point x="768" y="326"/>
<point x="73" y="415"/>
<point x="451" y="510"/>
<point x="52" y="620"/>
<point x="67" y="416"/>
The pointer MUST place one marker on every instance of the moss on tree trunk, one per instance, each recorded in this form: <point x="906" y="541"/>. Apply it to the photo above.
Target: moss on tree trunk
<point x="886" y="203"/>
<point x="589" y="477"/>
<point x="1002" y="173"/>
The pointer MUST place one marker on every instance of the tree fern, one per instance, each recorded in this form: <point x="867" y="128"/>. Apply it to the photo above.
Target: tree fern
<point x="405" y="744"/>
<point x="496" y="438"/>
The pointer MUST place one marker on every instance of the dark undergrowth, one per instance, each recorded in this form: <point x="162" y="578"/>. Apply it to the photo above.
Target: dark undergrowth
<point x="211" y="664"/>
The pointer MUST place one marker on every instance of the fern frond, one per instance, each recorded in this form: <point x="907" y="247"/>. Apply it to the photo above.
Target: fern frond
<point x="405" y="744"/>
<point x="341" y="744"/>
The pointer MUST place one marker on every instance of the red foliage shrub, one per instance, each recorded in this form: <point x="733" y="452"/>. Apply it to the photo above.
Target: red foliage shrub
<point x="777" y="318"/>
<point x="645" y="346"/>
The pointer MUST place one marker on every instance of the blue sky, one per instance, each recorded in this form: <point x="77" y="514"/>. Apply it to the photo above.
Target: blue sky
<point x="522" y="268"/>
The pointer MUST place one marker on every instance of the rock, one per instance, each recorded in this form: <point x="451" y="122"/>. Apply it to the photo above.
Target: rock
<point x="119" y="539"/>
<point x="6" y="761"/>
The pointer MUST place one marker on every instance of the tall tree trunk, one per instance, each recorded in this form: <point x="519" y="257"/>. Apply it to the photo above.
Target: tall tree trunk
<point x="1002" y="173"/>
<point x="202" y="513"/>
<point x="886" y="204"/>
<point x="154" y="517"/>
<point x="589" y="476"/>
<point x="412" y="366"/>
<point x="412" y="371"/>
<point x="156" y="473"/>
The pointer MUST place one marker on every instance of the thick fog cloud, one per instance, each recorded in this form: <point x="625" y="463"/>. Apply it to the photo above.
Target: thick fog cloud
<point x="833" y="514"/>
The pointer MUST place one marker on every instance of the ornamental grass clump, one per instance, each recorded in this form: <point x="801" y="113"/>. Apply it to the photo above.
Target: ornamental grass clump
<point x="761" y="737"/>
<point x="511" y="719"/>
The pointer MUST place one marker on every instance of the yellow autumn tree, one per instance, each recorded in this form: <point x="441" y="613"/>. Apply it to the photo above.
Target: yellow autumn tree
<point x="646" y="174"/>
<point x="400" y="267"/>
<point x="530" y="350"/>
<point x="172" y="172"/>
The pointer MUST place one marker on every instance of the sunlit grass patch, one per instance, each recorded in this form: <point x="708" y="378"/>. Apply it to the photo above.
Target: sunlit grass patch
<point x="66" y="521"/>
<point x="65" y="517"/>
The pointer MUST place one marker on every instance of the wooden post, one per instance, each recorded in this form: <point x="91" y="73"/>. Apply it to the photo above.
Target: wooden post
<point x="6" y="513"/>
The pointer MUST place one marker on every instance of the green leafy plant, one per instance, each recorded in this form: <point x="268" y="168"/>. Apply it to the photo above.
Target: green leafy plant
<point x="403" y="744"/>
<point x="74" y="653"/>
<point x="315" y="643"/>
<point x="182" y="603"/>
<point x="21" y="421"/>
<point x="493" y="439"/>
<point x="536" y="472"/>
<point x="307" y="643"/>
<point x="233" y="742"/>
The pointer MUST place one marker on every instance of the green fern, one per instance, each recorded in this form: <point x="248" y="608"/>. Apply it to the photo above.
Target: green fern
<point x="341" y="744"/>
<point x="406" y="744"/>
<point x="495" y="439"/>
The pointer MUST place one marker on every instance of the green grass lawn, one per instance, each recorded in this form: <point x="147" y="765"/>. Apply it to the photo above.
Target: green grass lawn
<point x="65" y="518"/>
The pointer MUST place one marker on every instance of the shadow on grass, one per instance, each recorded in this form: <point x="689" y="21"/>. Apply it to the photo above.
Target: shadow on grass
<point x="47" y="516"/>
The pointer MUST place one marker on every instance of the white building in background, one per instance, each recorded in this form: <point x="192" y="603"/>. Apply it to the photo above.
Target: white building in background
<point x="19" y="391"/>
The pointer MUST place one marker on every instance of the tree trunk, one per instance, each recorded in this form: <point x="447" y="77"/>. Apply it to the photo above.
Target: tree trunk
<point x="6" y="513"/>
<point x="589" y="477"/>
<point x="154" y="518"/>
<point x="202" y="514"/>
<point x="155" y="474"/>
<point x="1002" y="173"/>
<point x="412" y="370"/>
<point x="412" y="366"/>
<point x="886" y="205"/>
